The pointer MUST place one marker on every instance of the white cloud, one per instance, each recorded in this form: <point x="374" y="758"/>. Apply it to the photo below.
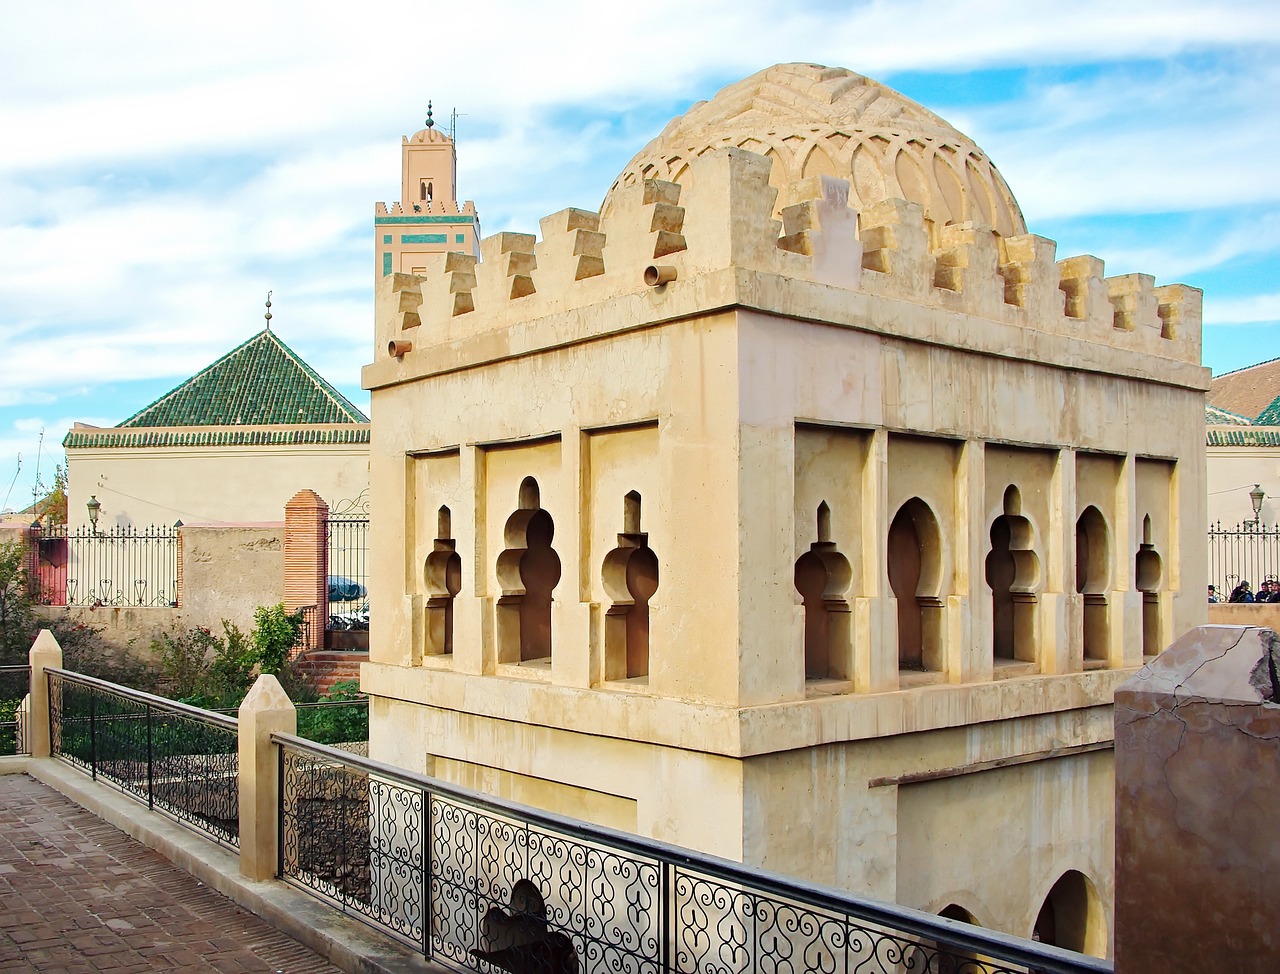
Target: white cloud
<point x="164" y="166"/>
<point x="1242" y="311"/>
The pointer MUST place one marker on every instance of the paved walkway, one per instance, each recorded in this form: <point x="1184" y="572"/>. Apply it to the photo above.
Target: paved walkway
<point x="81" y="897"/>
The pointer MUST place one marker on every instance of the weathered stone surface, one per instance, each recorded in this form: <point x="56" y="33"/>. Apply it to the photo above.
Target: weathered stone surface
<point x="1197" y="793"/>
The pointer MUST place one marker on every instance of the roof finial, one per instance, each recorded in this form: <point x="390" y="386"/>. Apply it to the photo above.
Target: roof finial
<point x="431" y="122"/>
<point x="268" y="314"/>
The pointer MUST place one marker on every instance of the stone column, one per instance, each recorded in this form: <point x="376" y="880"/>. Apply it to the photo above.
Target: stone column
<point x="1197" y="862"/>
<point x="266" y="710"/>
<point x="45" y="653"/>
<point x="306" y="560"/>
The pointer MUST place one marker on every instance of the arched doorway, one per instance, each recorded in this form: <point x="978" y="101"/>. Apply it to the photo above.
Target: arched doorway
<point x="1093" y="577"/>
<point x="915" y="569"/>
<point x="1071" y="916"/>
<point x="822" y="576"/>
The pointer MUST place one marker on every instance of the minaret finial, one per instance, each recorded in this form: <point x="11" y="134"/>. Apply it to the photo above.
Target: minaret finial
<point x="431" y="122"/>
<point x="268" y="314"/>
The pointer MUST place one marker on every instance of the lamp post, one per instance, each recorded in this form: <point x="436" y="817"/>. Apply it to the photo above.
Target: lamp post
<point x="94" y="505"/>
<point x="1257" y="496"/>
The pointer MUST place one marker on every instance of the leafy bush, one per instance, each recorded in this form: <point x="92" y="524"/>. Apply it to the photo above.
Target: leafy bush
<point x="184" y="660"/>
<point x="275" y="632"/>
<point x="16" y="618"/>
<point x="342" y="718"/>
<point x="85" y="651"/>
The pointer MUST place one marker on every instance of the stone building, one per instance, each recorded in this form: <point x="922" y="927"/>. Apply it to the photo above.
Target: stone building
<point x="798" y="506"/>
<point x="428" y="220"/>
<point x="1242" y="442"/>
<point x="230" y="444"/>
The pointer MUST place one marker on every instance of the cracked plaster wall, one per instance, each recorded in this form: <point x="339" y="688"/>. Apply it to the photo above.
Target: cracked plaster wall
<point x="1197" y="793"/>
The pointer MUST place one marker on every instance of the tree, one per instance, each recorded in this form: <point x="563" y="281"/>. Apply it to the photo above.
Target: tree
<point x="17" y="621"/>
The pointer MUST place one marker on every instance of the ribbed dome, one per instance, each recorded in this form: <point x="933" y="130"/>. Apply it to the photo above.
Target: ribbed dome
<point x="813" y="120"/>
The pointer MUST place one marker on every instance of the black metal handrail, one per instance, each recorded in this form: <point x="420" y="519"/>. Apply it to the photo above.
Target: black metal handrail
<point x="174" y="758"/>
<point x="15" y="681"/>
<point x="440" y="866"/>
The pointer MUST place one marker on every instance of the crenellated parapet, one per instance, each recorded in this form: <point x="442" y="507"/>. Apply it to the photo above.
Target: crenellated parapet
<point x="426" y="208"/>
<point x="723" y="220"/>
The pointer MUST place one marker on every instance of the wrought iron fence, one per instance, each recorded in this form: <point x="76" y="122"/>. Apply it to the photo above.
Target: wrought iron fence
<point x="121" y="566"/>
<point x="15" y="682"/>
<point x="179" y="760"/>
<point x="1246" y="553"/>
<point x="478" y="883"/>
<point x="348" y="540"/>
<point x="302" y="640"/>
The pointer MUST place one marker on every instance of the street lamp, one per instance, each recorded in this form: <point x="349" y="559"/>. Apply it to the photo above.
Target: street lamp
<point x="94" y="505"/>
<point x="1257" y="496"/>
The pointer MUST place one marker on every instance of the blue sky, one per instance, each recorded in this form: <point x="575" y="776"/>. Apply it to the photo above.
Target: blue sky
<point x="163" y="166"/>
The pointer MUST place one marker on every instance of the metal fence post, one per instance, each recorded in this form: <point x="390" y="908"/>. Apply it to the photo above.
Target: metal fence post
<point x="426" y="874"/>
<point x="151" y="803"/>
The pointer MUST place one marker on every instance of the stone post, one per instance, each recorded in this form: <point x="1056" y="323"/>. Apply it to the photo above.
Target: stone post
<point x="1197" y="862"/>
<point x="45" y="653"/>
<point x="266" y="710"/>
<point x="306" y="560"/>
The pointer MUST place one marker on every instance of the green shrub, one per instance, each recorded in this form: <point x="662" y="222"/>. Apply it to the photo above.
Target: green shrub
<point x="184" y="658"/>
<point x="275" y="632"/>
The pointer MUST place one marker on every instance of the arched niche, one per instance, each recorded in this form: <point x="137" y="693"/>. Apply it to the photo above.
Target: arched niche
<point x="528" y="571"/>
<point x="822" y="576"/>
<point x="1093" y="581"/>
<point x="1148" y="572"/>
<point x="914" y="560"/>
<point x="1013" y="574"/>
<point x="630" y="577"/>
<point x="442" y="577"/>
<point x="1072" y="917"/>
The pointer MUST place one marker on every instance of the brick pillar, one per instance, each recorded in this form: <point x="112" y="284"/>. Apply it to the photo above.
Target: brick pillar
<point x="306" y="559"/>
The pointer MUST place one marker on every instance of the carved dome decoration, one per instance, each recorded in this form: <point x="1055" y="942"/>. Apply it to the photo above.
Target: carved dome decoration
<point x="427" y="135"/>
<point x="813" y="120"/>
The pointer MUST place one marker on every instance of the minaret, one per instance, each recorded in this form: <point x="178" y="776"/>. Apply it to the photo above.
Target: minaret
<point x="428" y="219"/>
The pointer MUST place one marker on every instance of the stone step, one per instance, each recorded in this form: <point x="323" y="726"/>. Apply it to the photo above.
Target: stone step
<point x="324" y="669"/>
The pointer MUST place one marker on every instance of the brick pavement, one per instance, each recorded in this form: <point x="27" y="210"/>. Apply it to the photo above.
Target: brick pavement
<point x="81" y="897"/>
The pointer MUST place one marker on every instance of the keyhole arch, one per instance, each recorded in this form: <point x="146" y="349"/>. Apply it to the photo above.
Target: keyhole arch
<point x="1013" y="575"/>
<point x="630" y="575"/>
<point x="528" y="571"/>
<point x="442" y="579"/>
<point x="822" y="576"/>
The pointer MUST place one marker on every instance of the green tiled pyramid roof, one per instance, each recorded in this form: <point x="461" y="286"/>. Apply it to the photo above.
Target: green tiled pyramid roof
<point x="1269" y="416"/>
<point x="1217" y="416"/>
<point x="260" y="383"/>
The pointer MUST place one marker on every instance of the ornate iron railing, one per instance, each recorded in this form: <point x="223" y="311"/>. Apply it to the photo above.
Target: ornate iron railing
<point x="1246" y="552"/>
<point x="121" y="566"/>
<point x="478" y="883"/>
<point x="15" y="682"/>
<point x="178" y="760"/>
